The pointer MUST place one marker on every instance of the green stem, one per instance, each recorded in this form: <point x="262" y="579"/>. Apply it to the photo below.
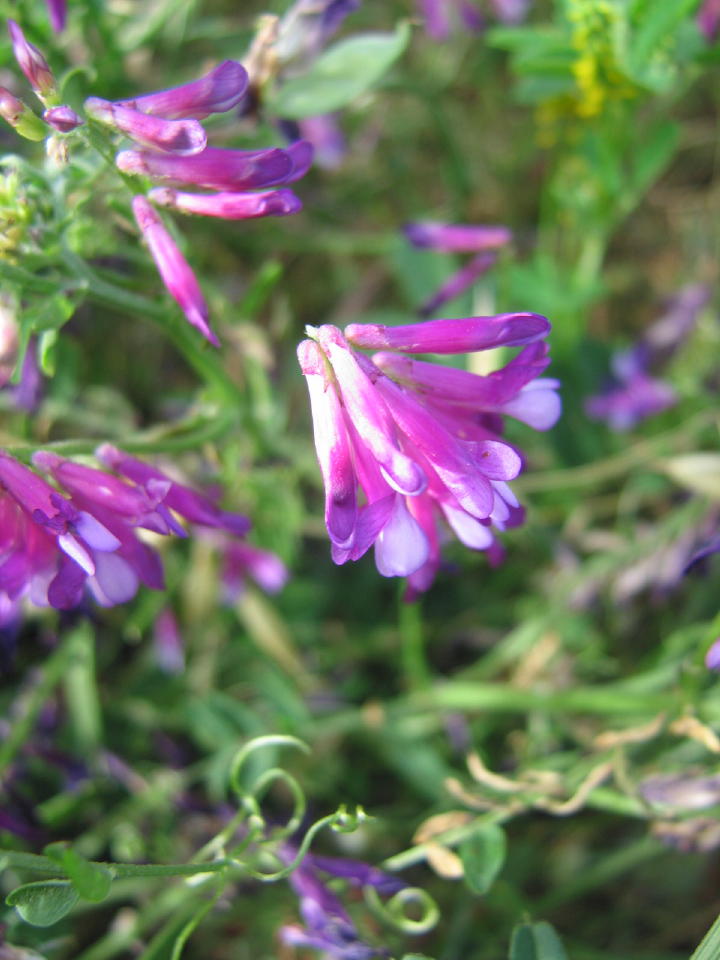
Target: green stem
<point x="32" y="861"/>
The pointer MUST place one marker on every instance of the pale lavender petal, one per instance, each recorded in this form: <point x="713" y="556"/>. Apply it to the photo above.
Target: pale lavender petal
<point x="712" y="657"/>
<point x="467" y="529"/>
<point x="538" y="404"/>
<point x="497" y="460"/>
<point x="72" y="547"/>
<point x="176" y="273"/>
<point x="325" y="135"/>
<point x="218" y="91"/>
<point x="371" y="520"/>
<point x="95" y="534"/>
<point x="401" y="547"/>
<point x="115" y="581"/>
<point x="183" y="138"/>
<point x="452" y="336"/>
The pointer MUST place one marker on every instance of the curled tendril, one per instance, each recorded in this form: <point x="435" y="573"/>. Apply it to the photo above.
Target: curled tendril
<point x="259" y="743"/>
<point x="394" y="911"/>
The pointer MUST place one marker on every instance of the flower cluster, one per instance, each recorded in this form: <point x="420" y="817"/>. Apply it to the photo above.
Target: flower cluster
<point x="172" y="149"/>
<point x="457" y="238"/>
<point x="53" y="545"/>
<point x="404" y="443"/>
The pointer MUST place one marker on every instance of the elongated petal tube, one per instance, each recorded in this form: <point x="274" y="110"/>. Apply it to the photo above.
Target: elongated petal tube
<point x="183" y="138"/>
<point x="218" y="91"/>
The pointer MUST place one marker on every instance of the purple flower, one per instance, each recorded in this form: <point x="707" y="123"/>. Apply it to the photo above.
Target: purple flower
<point x="28" y="392"/>
<point x="176" y="273"/>
<point x="242" y="560"/>
<point x="62" y="118"/>
<point x="218" y="91"/>
<point x="53" y="546"/>
<point x="325" y="135"/>
<point x="404" y="444"/>
<point x="708" y="19"/>
<point x="510" y="11"/>
<point x="438" y="16"/>
<point x="229" y="206"/>
<point x="183" y="138"/>
<point x="635" y="394"/>
<point x="712" y="657"/>
<point x="215" y="168"/>
<point x="32" y="63"/>
<point x="58" y="14"/>
<point x="328" y="926"/>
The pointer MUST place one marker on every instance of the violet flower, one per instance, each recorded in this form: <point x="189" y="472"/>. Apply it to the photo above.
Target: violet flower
<point x="242" y="560"/>
<point x="218" y="91"/>
<point x="635" y="394"/>
<point x="328" y="925"/>
<point x="58" y="14"/>
<point x="183" y="138"/>
<point x="407" y="447"/>
<point x="439" y="16"/>
<point x="228" y="206"/>
<point x="457" y="238"/>
<point x="307" y="26"/>
<point x="32" y="63"/>
<point x="62" y="118"/>
<point x="176" y="273"/>
<point x="708" y="19"/>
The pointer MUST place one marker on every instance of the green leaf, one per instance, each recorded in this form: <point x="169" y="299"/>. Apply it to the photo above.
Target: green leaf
<point x="344" y="72"/>
<point x="709" y="948"/>
<point x="44" y="902"/>
<point x="536" y="941"/>
<point x="483" y="855"/>
<point x="91" y="880"/>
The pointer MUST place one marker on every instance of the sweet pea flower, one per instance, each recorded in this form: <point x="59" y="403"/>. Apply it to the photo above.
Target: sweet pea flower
<point x="409" y="448"/>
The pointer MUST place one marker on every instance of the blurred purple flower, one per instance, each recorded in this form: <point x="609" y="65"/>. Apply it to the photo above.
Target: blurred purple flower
<point x="438" y="16"/>
<point x="712" y="657"/>
<point x="242" y="560"/>
<point x="228" y="206"/>
<point x="28" y="392"/>
<point x="457" y="238"/>
<point x="708" y="19"/>
<point x="169" y="652"/>
<point x="635" y="394"/>
<point x="510" y="11"/>
<point x="325" y="135"/>
<point x="58" y="14"/>
<point x="328" y="926"/>
<point x="176" y="272"/>
<point x="403" y="444"/>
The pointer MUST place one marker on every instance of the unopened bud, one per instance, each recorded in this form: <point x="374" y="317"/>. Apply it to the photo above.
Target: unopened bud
<point x="62" y="118"/>
<point x="32" y="63"/>
<point x="21" y="117"/>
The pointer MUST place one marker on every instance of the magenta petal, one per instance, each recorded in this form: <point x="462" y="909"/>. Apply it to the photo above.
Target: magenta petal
<point x="215" y="168"/>
<point x="401" y="547"/>
<point x="176" y="273"/>
<point x="181" y="137"/>
<point x="459" y="282"/>
<point x="229" y="206"/>
<point x="31" y="61"/>
<point x="301" y="153"/>
<point x="371" y="520"/>
<point x="452" y="336"/>
<point x="456" y="238"/>
<point x="332" y="446"/>
<point x="369" y="415"/>
<point x="220" y="90"/>
<point x="62" y="118"/>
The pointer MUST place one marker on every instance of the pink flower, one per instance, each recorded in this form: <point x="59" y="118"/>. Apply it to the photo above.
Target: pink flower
<point x="407" y="448"/>
<point x="176" y="273"/>
<point x="184" y="138"/>
<point x="32" y="63"/>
